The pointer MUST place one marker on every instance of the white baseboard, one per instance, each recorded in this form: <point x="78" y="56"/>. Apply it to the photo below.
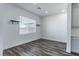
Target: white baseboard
<point x="53" y="39"/>
<point x="14" y="45"/>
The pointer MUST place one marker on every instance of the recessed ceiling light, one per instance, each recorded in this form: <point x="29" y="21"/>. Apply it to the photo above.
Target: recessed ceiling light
<point x="34" y="3"/>
<point x="46" y="11"/>
<point x="62" y="10"/>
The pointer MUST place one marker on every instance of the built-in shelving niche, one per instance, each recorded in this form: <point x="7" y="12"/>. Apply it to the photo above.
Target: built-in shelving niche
<point x="75" y="36"/>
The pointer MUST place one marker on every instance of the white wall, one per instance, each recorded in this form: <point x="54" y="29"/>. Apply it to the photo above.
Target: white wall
<point x="1" y="38"/>
<point x="54" y="27"/>
<point x="11" y="35"/>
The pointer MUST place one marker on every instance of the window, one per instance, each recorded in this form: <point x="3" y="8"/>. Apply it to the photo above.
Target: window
<point x="27" y="25"/>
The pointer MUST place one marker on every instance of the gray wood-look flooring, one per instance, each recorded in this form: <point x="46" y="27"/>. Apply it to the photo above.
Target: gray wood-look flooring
<point x="41" y="47"/>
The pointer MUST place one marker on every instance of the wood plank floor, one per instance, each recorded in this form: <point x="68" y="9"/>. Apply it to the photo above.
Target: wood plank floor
<point x="39" y="47"/>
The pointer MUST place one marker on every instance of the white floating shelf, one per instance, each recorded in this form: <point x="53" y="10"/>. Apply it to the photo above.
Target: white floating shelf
<point x="75" y="36"/>
<point x="75" y="26"/>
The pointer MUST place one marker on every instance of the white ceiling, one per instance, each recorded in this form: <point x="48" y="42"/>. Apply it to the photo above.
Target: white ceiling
<point x="52" y="8"/>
